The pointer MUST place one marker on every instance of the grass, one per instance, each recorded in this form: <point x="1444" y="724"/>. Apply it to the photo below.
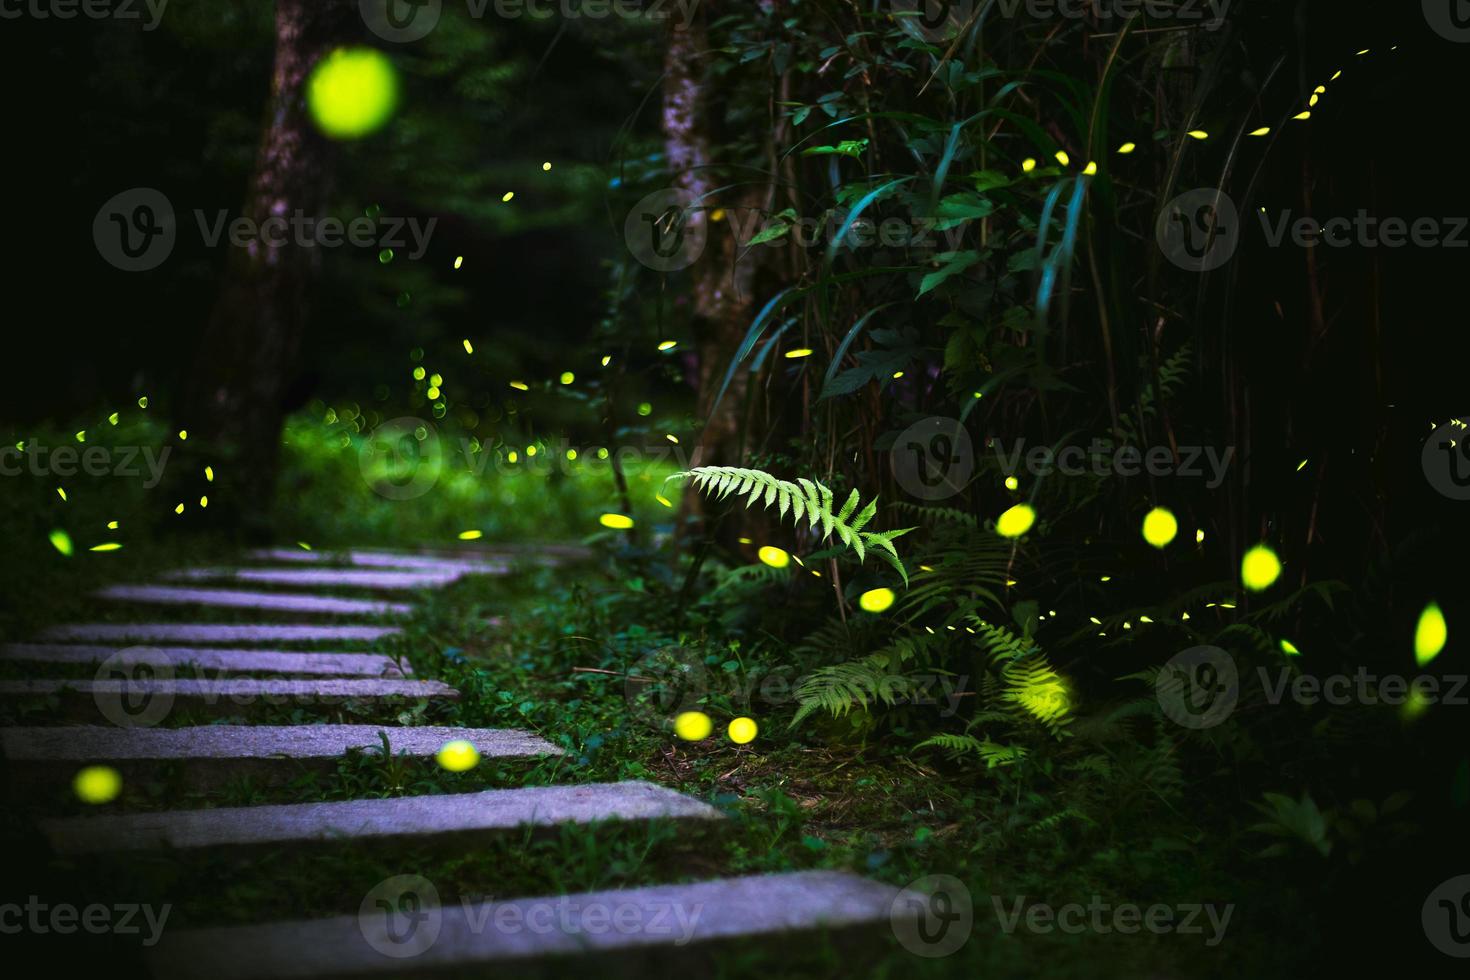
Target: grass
<point x="795" y="800"/>
<point x="831" y="793"/>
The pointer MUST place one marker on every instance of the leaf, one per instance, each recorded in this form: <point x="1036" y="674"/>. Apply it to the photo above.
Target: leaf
<point x="748" y="344"/>
<point x="956" y="263"/>
<point x="847" y="148"/>
<point x="770" y="233"/>
<point x="959" y="208"/>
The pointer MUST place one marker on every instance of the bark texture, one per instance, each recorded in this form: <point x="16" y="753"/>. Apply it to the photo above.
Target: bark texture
<point x="235" y="399"/>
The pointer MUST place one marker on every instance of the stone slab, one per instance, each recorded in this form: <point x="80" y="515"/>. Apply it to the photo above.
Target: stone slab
<point x="215" y="633"/>
<point x="382" y="559"/>
<point x="263" y="601"/>
<point x="381" y="580"/>
<point x="458" y="938"/>
<point x="99" y="744"/>
<point x="234" y="690"/>
<point x="372" y="820"/>
<point x="205" y="659"/>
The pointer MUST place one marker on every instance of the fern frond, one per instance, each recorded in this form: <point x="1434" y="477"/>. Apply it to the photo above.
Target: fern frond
<point x="804" y="498"/>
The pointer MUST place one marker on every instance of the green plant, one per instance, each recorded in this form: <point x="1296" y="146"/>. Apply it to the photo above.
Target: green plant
<point x="804" y="497"/>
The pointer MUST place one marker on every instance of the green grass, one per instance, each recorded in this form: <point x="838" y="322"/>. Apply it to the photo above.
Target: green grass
<point x="831" y="793"/>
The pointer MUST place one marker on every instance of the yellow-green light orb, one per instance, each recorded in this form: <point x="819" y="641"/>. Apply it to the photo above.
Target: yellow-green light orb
<point x="1260" y="568"/>
<point x="774" y="557"/>
<point x="1160" y="527"/>
<point x="97" y="784"/>
<point x="352" y="92"/>
<point x="876" y="600"/>
<point x="692" y="726"/>
<point x="1430" y="634"/>
<point x="458" y="756"/>
<point x="743" y="730"/>
<point x="1016" y="521"/>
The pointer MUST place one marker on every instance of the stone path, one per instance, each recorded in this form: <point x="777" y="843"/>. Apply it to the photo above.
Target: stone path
<point x="215" y="633"/>
<point x="97" y="743"/>
<point x="89" y="698"/>
<point x="484" y="936"/>
<point x="180" y="659"/>
<point x="421" y="816"/>
<point x="342" y="578"/>
<point x="378" y="939"/>
<point x="382" y="559"/>
<point x="264" y="601"/>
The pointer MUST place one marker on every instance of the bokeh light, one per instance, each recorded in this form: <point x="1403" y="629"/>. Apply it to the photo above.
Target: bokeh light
<point x="458" y="756"/>
<point x="692" y="726"/>
<point x="742" y="731"/>
<point x="352" y="92"/>
<point x="97" y="784"/>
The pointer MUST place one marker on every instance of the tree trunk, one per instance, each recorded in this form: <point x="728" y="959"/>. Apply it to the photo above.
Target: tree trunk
<point x="234" y="400"/>
<point x="723" y="277"/>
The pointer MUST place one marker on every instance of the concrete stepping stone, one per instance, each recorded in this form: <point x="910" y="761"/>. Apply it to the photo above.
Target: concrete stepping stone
<point x="214" y="633"/>
<point x="265" y="601"/>
<point x="386" y="580"/>
<point x="420" y="937"/>
<point x="101" y="744"/>
<point x="220" y="660"/>
<point x="497" y="810"/>
<point x="382" y="559"/>
<point x="130" y="701"/>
